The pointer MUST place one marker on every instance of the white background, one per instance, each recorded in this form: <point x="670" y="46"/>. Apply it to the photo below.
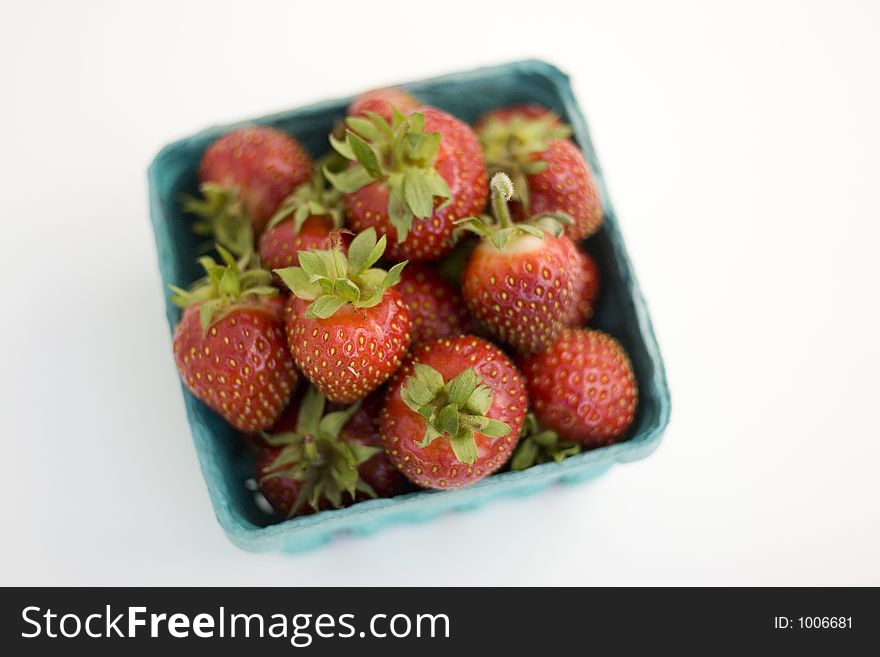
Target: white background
<point x="740" y="142"/>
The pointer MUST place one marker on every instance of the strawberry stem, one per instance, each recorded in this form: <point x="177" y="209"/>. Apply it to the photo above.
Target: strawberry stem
<point x="502" y="192"/>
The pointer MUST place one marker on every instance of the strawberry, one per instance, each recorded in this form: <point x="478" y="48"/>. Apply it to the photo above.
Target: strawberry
<point x="583" y="387"/>
<point x="549" y="170"/>
<point x="280" y="244"/>
<point x="436" y="309"/>
<point x="244" y="176"/>
<point x="411" y="179"/>
<point x="521" y="277"/>
<point x="304" y="221"/>
<point x="381" y="102"/>
<point x="453" y="412"/>
<point x="565" y="185"/>
<point x="308" y="467"/>
<point x="586" y="290"/>
<point x="346" y="326"/>
<point x="230" y="347"/>
<point x="538" y="446"/>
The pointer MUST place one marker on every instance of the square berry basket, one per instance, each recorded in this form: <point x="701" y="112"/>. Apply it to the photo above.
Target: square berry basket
<point x="621" y="312"/>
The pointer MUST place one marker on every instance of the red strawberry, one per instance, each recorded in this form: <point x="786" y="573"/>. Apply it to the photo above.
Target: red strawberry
<point x="307" y="466"/>
<point x="230" y="347"/>
<point x="245" y="175"/>
<point x="436" y="309"/>
<point x="304" y="222"/>
<point x="580" y="310"/>
<point x="520" y="279"/>
<point x="363" y="429"/>
<point x="412" y="179"/>
<point x="583" y="387"/>
<point x="549" y="171"/>
<point x="279" y="245"/>
<point x="381" y="102"/>
<point x="566" y="185"/>
<point x="454" y="412"/>
<point x="346" y="326"/>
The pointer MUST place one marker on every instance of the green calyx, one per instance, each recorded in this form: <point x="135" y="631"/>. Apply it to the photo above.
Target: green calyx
<point x="454" y="410"/>
<point x="330" y="279"/>
<point x="315" y="456"/>
<point x="313" y="198"/>
<point x="223" y="286"/>
<point x="222" y="218"/>
<point x="511" y="145"/>
<point x="540" y="446"/>
<point x="500" y="228"/>
<point x="402" y="155"/>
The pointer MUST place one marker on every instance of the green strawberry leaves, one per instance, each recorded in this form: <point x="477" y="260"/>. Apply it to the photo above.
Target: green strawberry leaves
<point x="417" y="193"/>
<point x="540" y="446"/>
<point x="222" y="218"/>
<point x="297" y="280"/>
<point x="402" y="155"/>
<point x="330" y="279"/>
<point x="315" y="456"/>
<point x="224" y="285"/>
<point x="365" y="155"/>
<point x="463" y="446"/>
<point x="456" y="410"/>
<point x="460" y="388"/>
<point x="366" y="127"/>
<point x="365" y="251"/>
<point x="350" y="180"/>
<point x="399" y="212"/>
<point x="325" y="306"/>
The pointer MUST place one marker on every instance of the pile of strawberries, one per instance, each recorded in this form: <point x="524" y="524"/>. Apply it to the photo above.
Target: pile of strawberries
<point x="408" y="311"/>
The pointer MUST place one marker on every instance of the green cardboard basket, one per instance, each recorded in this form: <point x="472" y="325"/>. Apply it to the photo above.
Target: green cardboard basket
<point x="622" y="312"/>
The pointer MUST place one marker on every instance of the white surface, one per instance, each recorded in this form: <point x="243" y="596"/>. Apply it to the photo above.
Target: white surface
<point x="740" y="143"/>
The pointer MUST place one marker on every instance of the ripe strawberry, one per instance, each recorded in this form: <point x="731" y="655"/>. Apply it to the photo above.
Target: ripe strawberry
<point x="230" y="347"/>
<point x="280" y="244"/>
<point x="583" y="387"/>
<point x="308" y="466"/>
<point x="580" y="310"/>
<point x="381" y="102"/>
<point x="436" y="309"/>
<point x="453" y="412"/>
<point x="244" y="176"/>
<point x="549" y="171"/>
<point x="520" y="279"/>
<point x="566" y="185"/>
<point x="304" y="222"/>
<point x="411" y="179"/>
<point x="346" y="326"/>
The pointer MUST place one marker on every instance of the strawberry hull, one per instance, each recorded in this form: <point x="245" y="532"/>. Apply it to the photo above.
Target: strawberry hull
<point x="225" y="460"/>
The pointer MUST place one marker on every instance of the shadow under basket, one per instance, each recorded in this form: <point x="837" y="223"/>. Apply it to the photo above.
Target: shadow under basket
<point x="621" y="312"/>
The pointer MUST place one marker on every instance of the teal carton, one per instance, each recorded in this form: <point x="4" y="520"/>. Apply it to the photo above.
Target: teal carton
<point x="621" y="312"/>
